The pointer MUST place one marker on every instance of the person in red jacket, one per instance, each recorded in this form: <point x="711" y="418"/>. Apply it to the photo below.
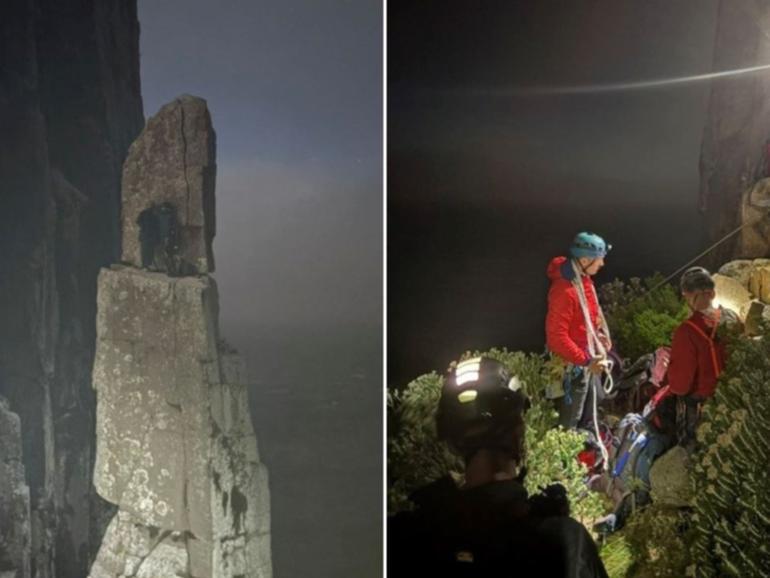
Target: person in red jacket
<point x="697" y="353"/>
<point x="575" y="328"/>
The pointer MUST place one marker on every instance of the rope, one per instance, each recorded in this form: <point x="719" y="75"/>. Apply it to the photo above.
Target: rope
<point x="595" y="346"/>
<point x="698" y="257"/>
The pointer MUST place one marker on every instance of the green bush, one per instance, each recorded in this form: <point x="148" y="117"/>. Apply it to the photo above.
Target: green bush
<point x="415" y="454"/>
<point x="416" y="457"/>
<point x="551" y="459"/>
<point x="731" y="520"/>
<point x="727" y="530"/>
<point x="641" y="321"/>
<point x="616" y="556"/>
<point x="658" y="541"/>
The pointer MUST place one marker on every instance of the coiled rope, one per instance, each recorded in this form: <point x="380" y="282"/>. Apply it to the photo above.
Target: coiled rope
<point x="595" y="349"/>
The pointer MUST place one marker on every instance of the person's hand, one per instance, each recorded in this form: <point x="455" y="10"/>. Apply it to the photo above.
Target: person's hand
<point x="606" y="342"/>
<point x="598" y="365"/>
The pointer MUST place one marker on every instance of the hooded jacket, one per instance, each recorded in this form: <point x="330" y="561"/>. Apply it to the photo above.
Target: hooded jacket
<point x="565" y="328"/>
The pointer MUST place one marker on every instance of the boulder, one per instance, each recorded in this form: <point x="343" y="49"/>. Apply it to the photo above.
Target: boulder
<point x="759" y="282"/>
<point x="732" y="295"/>
<point x="756" y="313"/>
<point x="739" y="269"/>
<point x="670" y="478"/>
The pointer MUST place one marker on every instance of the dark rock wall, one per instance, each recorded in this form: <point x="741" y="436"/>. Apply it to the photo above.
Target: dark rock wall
<point x="733" y="155"/>
<point x="70" y="105"/>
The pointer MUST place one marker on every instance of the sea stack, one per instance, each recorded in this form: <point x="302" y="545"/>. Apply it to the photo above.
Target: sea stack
<point x="176" y="451"/>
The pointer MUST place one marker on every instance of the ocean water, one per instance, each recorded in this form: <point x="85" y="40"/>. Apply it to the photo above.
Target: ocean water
<point x="316" y="402"/>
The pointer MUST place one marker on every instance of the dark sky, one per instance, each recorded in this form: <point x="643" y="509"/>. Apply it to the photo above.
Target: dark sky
<point x="490" y="176"/>
<point x="450" y="68"/>
<point x="295" y="92"/>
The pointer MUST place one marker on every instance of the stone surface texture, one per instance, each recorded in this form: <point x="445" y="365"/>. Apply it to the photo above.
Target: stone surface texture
<point x="15" y="528"/>
<point x="752" y="274"/>
<point x="757" y="312"/>
<point x="754" y="239"/>
<point x="759" y="283"/>
<point x="71" y="106"/>
<point x="173" y="161"/>
<point x="732" y="294"/>
<point x="733" y="153"/>
<point x="738" y="269"/>
<point x="176" y="450"/>
<point x="670" y="479"/>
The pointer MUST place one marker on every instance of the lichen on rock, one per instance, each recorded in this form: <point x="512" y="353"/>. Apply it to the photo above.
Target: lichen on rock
<point x="176" y="450"/>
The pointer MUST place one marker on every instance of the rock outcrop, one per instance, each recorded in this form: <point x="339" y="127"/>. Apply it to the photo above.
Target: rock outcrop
<point x="732" y="294"/>
<point x="70" y="107"/>
<point x="15" y="534"/>
<point x="734" y="154"/>
<point x="176" y="451"/>
<point x="747" y="279"/>
<point x="670" y="483"/>
<point x="168" y="191"/>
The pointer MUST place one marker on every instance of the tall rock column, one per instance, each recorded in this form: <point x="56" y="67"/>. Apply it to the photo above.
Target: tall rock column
<point x="176" y="451"/>
<point x="735" y="157"/>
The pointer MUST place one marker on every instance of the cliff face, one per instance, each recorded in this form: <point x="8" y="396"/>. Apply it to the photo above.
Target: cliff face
<point x="734" y="155"/>
<point x="70" y="106"/>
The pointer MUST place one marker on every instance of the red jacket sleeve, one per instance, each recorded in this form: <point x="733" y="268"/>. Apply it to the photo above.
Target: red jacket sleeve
<point x="560" y="317"/>
<point x="684" y="362"/>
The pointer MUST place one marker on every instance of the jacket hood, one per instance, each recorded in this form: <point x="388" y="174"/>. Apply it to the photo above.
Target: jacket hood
<point x="554" y="270"/>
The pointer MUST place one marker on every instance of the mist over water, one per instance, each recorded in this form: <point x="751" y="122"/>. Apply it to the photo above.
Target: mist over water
<point x="316" y="403"/>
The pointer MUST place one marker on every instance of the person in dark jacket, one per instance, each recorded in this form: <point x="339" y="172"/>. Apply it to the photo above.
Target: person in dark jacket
<point x="575" y="328"/>
<point x="487" y="525"/>
<point x="697" y="351"/>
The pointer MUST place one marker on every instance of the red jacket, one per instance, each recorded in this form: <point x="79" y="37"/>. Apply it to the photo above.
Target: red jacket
<point x="565" y="328"/>
<point x="696" y="360"/>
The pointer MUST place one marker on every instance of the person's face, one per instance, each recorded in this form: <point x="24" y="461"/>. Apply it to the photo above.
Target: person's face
<point x="699" y="300"/>
<point x="591" y="265"/>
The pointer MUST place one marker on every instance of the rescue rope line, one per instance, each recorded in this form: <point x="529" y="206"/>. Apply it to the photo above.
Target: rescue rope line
<point x="698" y="257"/>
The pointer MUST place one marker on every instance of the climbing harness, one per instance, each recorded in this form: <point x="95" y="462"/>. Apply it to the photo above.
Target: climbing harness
<point x="710" y="340"/>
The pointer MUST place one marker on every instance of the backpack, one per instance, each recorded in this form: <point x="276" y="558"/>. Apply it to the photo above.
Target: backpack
<point x="638" y="382"/>
<point x="641" y="440"/>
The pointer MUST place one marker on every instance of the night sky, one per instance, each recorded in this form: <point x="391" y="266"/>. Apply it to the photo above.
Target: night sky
<point x="492" y="168"/>
<point x="295" y="92"/>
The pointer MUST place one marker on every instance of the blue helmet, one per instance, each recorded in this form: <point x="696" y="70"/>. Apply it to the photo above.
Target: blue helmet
<point x="588" y="245"/>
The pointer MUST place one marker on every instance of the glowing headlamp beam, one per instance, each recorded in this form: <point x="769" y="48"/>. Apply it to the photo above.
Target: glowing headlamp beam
<point x="623" y="86"/>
